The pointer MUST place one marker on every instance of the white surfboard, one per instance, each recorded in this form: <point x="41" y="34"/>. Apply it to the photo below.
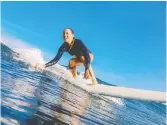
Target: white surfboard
<point x="121" y="92"/>
<point x="115" y="91"/>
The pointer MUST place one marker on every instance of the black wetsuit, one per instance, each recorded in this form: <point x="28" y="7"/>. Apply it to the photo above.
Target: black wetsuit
<point x="78" y="49"/>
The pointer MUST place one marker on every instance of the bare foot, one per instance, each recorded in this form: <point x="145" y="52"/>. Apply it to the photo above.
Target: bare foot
<point x="94" y="82"/>
<point x="74" y="76"/>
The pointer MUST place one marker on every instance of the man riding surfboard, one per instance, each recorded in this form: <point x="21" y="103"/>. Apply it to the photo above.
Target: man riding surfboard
<point x="75" y="47"/>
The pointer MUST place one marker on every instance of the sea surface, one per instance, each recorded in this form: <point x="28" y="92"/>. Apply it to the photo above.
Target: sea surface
<point x="30" y="96"/>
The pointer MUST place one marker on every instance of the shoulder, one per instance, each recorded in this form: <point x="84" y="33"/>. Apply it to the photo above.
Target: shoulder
<point x="79" y="41"/>
<point x="64" y="46"/>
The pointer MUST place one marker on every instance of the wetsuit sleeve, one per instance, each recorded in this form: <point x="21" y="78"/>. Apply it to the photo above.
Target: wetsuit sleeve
<point x="85" y="54"/>
<point x="61" y="50"/>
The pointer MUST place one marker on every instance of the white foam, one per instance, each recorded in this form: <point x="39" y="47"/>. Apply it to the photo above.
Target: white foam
<point x="31" y="55"/>
<point x="9" y="121"/>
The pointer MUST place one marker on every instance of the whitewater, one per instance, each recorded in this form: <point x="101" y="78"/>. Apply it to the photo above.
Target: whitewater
<point x="33" y="96"/>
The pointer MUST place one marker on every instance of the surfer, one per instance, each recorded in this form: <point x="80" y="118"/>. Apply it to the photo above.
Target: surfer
<point x="81" y="55"/>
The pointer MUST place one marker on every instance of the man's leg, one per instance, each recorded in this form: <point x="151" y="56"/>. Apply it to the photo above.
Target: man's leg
<point x="72" y="65"/>
<point x="91" y="73"/>
<point x="94" y="81"/>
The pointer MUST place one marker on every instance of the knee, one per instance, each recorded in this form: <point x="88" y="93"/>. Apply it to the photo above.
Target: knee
<point x="72" y="64"/>
<point x="91" y="57"/>
<point x="82" y="58"/>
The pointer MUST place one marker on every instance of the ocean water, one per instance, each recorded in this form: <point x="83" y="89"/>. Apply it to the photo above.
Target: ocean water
<point x="30" y="96"/>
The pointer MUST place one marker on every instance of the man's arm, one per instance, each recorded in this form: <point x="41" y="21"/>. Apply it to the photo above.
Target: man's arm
<point x="85" y="54"/>
<point x="61" y="50"/>
<point x="87" y="59"/>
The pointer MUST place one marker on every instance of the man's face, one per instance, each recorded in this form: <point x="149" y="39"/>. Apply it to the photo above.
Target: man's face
<point x="68" y="35"/>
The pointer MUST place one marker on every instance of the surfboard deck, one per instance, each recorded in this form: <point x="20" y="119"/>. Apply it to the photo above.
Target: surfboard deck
<point x="116" y="91"/>
<point x="122" y="92"/>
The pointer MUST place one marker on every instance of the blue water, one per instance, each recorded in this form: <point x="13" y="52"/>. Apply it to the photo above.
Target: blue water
<point x="34" y="98"/>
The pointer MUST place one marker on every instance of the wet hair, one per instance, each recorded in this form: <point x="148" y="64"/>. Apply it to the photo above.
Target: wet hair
<point x="70" y="30"/>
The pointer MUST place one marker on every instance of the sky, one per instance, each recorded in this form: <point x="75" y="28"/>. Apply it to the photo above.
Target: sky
<point x="128" y="39"/>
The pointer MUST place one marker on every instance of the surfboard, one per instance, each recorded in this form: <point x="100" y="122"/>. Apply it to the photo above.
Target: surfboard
<point x="116" y="91"/>
<point x="121" y="92"/>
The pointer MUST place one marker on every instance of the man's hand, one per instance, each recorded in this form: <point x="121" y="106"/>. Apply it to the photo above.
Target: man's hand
<point x="39" y="67"/>
<point x="48" y="64"/>
<point x="86" y="75"/>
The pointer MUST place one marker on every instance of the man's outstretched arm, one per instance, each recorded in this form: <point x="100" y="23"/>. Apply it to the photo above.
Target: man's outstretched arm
<point x="61" y="50"/>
